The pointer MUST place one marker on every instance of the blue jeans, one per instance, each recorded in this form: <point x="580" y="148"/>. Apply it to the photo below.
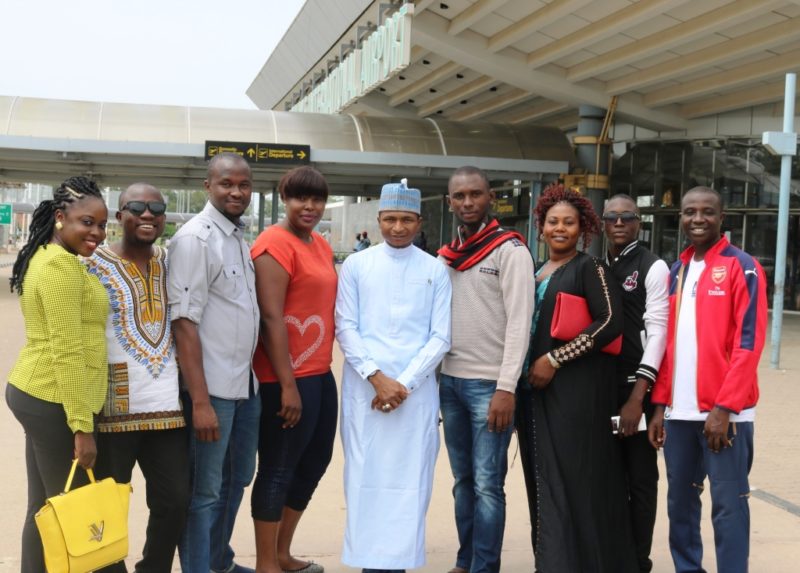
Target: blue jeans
<point x="479" y="461"/>
<point x="689" y="460"/>
<point x="220" y="472"/>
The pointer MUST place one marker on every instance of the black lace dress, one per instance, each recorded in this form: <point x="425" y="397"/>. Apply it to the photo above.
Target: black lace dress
<point x="576" y="496"/>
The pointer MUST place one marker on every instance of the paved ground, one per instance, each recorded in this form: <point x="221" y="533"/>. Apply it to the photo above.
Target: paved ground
<point x="775" y="505"/>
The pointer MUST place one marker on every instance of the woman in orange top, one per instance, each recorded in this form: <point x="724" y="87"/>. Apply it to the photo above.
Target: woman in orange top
<point x="296" y="289"/>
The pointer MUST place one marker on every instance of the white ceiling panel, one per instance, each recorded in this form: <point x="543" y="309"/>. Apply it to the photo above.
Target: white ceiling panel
<point x="698" y="44"/>
<point x="516" y="10"/>
<point x="565" y="26"/>
<point x="694" y="8"/>
<point x="752" y="25"/>
<point x="791" y="10"/>
<point x="651" y="26"/>
<point x="597" y="10"/>
<point x="533" y="42"/>
<point x="609" y="44"/>
<point x="490" y="25"/>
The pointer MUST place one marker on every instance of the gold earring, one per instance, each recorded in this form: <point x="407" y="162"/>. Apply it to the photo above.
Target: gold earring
<point x="450" y="209"/>
<point x="59" y="225"/>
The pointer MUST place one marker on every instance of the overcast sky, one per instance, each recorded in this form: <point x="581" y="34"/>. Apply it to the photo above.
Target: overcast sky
<point x="179" y="52"/>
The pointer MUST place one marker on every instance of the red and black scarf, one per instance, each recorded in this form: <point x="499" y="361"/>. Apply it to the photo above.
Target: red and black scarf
<point x="472" y="251"/>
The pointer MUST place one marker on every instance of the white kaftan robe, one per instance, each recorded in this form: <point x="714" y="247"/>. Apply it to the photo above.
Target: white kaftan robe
<point x="392" y="314"/>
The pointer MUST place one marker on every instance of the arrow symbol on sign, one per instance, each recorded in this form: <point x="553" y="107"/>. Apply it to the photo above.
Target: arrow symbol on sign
<point x="301" y="154"/>
<point x="251" y="152"/>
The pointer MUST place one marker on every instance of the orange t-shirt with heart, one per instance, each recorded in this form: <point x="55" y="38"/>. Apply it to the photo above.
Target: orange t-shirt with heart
<point x="309" y="305"/>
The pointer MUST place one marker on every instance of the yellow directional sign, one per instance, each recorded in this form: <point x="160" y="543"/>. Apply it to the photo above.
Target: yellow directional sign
<point x="262" y="153"/>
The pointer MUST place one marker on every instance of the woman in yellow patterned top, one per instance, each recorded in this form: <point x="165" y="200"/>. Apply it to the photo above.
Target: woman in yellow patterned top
<point x="58" y="383"/>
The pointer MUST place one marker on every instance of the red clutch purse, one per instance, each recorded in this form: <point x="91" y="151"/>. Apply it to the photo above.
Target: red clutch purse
<point x="571" y="316"/>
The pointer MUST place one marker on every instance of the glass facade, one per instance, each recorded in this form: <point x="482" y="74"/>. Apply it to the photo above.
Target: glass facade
<point x="657" y="174"/>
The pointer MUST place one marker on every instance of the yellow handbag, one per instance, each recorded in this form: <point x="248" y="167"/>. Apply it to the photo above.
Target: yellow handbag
<point x="87" y="528"/>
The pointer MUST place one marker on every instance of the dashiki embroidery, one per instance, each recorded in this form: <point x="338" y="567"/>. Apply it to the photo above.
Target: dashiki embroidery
<point x="142" y="373"/>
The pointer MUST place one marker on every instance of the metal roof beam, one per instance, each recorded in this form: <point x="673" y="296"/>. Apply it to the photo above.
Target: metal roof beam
<point x="467" y="90"/>
<point x="616" y="22"/>
<point x="540" y="19"/>
<point x="538" y="111"/>
<point x="693" y="29"/>
<point x="473" y="14"/>
<point x="749" y="73"/>
<point x="510" y="67"/>
<point x="763" y="39"/>
<point x="564" y="122"/>
<point x="768" y="93"/>
<point x="421" y="5"/>
<point x="428" y="81"/>
<point x="499" y="103"/>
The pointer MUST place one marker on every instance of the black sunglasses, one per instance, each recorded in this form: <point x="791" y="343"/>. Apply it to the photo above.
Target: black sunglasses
<point x="138" y="207"/>
<point x="613" y="216"/>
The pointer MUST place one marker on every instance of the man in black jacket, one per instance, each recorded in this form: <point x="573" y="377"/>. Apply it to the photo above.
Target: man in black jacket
<point x="643" y="277"/>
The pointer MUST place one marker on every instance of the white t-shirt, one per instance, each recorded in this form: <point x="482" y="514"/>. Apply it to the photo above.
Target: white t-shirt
<point x="684" y="390"/>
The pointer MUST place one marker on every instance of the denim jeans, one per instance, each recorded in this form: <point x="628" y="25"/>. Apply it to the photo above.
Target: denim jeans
<point x="689" y="460"/>
<point x="479" y="461"/>
<point x="220" y="472"/>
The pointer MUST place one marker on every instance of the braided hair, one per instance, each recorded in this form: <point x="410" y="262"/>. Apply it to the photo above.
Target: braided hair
<point x="557" y="193"/>
<point x="44" y="220"/>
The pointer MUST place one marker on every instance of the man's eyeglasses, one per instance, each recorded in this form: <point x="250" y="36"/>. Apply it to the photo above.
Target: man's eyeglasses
<point x="138" y="208"/>
<point x="625" y="217"/>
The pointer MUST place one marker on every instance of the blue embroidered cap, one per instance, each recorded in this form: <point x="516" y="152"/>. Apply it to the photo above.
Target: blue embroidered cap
<point x="398" y="197"/>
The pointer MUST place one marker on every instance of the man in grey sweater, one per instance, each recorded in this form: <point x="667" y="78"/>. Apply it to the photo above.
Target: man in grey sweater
<point x="493" y="295"/>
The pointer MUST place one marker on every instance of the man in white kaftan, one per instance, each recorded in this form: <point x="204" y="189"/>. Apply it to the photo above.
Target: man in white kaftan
<point x="393" y="326"/>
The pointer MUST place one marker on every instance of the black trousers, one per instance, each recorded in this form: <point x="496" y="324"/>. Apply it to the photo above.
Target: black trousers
<point x="163" y="457"/>
<point x="291" y="461"/>
<point x="640" y="464"/>
<point x="49" y="451"/>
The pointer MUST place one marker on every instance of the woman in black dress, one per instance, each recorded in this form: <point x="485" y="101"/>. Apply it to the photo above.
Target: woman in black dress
<point x="575" y="491"/>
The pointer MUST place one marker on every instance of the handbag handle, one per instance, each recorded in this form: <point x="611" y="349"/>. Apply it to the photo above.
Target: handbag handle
<point x="89" y="472"/>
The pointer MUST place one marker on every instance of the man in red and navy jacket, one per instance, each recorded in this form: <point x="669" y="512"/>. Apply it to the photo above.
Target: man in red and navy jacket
<point x="707" y="387"/>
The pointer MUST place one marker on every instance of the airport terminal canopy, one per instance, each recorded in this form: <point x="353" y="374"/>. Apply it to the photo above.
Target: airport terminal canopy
<point x="47" y="140"/>
<point x="674" y="64"/>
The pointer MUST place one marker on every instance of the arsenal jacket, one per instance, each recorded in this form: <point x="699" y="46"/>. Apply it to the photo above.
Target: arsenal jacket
<point x="731" y="307"/>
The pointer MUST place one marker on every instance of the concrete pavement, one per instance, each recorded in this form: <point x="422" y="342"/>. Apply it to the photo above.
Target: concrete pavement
<point x="775" y="502"/>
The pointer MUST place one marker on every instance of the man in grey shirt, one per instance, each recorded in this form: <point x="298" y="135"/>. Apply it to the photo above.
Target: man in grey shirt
<point x="211" y="293"/>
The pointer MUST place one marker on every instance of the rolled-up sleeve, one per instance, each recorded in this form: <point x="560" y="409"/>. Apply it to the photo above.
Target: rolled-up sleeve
<point x="187" y="280"/>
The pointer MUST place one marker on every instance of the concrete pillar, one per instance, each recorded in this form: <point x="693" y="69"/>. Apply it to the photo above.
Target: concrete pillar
<point x="261" y="211"/>
<point x="593" y="157"/>
<point x="275" y="199"/>
<point x="348" y="237"/>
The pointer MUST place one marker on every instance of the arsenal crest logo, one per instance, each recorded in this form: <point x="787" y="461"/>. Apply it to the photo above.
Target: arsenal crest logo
<point x="718" y="274"/>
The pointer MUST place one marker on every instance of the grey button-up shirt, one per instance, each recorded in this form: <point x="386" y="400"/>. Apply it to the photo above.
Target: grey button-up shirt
<point x="211" y="281"/>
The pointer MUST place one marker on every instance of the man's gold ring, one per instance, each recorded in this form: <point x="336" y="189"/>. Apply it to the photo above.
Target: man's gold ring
<point x="386" y="407"/>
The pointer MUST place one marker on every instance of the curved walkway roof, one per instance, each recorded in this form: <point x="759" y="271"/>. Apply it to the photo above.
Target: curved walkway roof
<point x="47" y="140"/>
